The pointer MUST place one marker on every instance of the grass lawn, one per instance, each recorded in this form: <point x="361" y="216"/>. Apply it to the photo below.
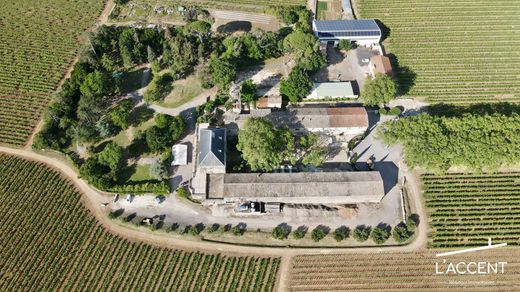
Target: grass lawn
<point x="142" y="172"/>
<point x="122" y="139"/>
<point x="183" y="91"/>
<point x="321" y="10"/>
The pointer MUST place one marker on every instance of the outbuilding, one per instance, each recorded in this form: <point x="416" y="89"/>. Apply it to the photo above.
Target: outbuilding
<point x="180" y="154"/>
<point x="332" y="90"/>
<point x="352" y="187"/>
<point x="380" y="64"/>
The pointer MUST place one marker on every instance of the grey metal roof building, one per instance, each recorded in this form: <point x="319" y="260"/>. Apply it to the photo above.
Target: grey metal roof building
<point x="212" y="149"/>
<point x="363" y="31"/>
<point x="303" y="187"/>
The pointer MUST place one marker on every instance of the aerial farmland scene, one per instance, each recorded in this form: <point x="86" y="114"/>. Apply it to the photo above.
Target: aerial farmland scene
<point x="254" y="145"/>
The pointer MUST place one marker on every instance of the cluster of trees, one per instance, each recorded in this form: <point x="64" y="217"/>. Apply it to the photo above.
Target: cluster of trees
<point x="81" y="110"/>
<point x="102" y="169"/>
<point x="120" y="48"/>
<point x="437" y="143"/>
<point x="77" y="108"/>
<point x="304" y="46"/>
<point x="266" y="147"/>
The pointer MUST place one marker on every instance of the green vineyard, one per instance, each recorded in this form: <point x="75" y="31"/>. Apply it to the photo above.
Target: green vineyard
<point x="454" y="51"/>
<point x="40" y="39"/>
<point x="50" y="242"/>
<point x="467" y="209"/>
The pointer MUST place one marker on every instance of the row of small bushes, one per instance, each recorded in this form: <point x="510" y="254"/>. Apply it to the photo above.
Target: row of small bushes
<point x="380" y="234"/>
<point x="141" y="188"/>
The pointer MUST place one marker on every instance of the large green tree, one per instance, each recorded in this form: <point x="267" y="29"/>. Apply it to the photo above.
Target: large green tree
<point x="262" y="145"/>
<point x="248" y="91"/>
<point x="378" y="91"/>
<point x="111" y="156"/>
<point x="120" y="114"/>
<point x="296" y="86"/>
<point x="223" y="71"/>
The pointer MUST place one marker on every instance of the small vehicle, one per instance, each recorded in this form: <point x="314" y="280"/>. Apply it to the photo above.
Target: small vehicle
<point x="116" y="197"/>
<point x="130" y="198"/>
<point x="243" y="208"/>
<point x="159" y="199"/>
<point x="253" y="206"/>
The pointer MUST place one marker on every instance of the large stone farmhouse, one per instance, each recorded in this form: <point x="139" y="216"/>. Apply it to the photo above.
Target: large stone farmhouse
<point x="342" y="122"/>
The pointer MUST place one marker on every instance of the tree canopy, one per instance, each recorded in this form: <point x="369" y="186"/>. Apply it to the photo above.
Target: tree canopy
<point x="111" y="156"/>
<point x="222" y="71"/>
<point x="266" y="147"/>
<point x="248" y="91"/>
<point x="262" y="145"/>
<point x="437" y="143"/>
<point x="296" y="86"/>
<point x="380" y="90"/>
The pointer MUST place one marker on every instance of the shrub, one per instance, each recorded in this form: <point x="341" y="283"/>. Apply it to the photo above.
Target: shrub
<point x="195" y="229"/>
<point x="411" y="224"/>
<point x="380" y="235"/>
<point x="279" y="232"/>
<point x="298" y="234"/>
<point x="318" y="234"/>
<point x="395" y="111"/>
<point x="340" y="233"/>
<point x="382" y="111"/>
<point x="213" y="228"/>
<point x="238" y="230"/>
<point x="361" y="233"/>
<point x="400" y="233"/>
<point x="346" y="45"/>
<point x="183" y="193"/>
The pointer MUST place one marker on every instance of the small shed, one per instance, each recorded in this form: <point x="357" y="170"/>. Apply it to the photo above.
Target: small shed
<point x="380" y="64"/>
<point x="180" y="154"/>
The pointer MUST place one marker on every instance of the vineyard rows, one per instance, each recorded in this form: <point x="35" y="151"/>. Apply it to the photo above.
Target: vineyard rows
<point x="50" y="242"/>
<point x="40" y="40"/>
<point x="458" y="51"/>
<point x="396" y="271"/>
<point x="467" y="209"/>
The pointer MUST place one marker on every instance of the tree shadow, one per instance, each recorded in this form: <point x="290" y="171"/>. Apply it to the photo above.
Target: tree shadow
<point x="481" y="109"/>
<point x="234" y="26"/>
<point x="140" y="115"/>
<point x="406" y="77"/>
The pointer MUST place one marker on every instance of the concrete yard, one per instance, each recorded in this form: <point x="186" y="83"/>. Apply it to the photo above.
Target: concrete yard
<point x="350" y="66"/>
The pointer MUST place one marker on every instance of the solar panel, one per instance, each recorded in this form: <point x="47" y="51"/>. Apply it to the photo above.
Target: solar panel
<point x="346" y="25"/>
<point x="348" y="34"/>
